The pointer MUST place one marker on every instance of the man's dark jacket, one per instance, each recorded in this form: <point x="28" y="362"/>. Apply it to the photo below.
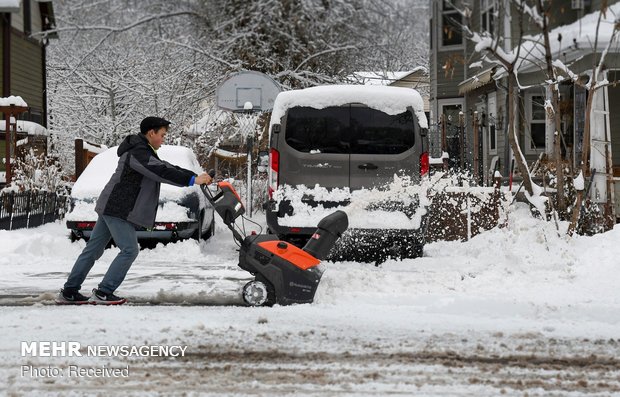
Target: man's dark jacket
<point x="133" y="191"/>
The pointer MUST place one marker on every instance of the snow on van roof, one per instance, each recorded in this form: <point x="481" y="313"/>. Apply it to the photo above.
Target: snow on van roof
<point x="390" y="100"/>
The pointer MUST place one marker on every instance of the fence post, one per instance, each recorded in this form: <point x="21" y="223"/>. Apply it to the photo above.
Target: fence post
<point x="11" y="204"/>
<point x="468" y="201"/>
<point x="462" y="139"/>
<point x="28" y="202"/>
<point x="45" y="198"/>
<point x="475" y="148"/>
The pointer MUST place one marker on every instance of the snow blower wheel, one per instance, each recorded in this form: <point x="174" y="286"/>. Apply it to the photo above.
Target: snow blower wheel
<point x="255" y="293"/>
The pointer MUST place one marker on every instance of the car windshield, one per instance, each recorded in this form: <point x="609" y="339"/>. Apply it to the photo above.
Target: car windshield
<point x="349" y="129"/>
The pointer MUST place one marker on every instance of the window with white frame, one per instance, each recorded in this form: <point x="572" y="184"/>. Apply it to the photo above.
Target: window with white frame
<point x="452" y="20"/>
<point x="535" y="128"/>
<point x="487" y="15"/>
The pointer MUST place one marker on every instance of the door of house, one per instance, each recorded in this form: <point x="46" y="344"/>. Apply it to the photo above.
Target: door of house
<point x="455" y="134"/>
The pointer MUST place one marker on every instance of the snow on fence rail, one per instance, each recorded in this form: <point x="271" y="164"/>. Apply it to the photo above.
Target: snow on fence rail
<point x="30" y="209"/>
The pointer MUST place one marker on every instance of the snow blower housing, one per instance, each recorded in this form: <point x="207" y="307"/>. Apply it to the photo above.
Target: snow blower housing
<point x="284" y="273"/>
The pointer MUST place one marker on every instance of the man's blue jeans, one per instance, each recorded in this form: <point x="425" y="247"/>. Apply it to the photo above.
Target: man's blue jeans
<point x="125" y="237"/>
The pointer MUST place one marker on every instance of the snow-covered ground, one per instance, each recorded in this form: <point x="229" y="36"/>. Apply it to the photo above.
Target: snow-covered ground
<point x="515" y="311"/>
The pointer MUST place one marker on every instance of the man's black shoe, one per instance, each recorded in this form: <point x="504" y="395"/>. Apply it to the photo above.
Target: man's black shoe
<point x="71" y="297"/>
<point x="101" y="298"/>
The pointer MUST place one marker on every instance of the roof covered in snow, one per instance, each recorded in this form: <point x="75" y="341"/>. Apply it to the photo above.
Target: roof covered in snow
<point x="383" y="78"/>
<point x="577" y="39"/>
<point x="10" y="5"/>
<point x="12" y="100"/>
<point x="390" y="100"/>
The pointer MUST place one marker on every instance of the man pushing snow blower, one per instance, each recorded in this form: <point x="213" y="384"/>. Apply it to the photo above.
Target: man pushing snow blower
<point x="284" y="273"/>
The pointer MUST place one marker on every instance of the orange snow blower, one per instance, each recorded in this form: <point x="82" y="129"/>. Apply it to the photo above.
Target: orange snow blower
<point x="283" y="273"/>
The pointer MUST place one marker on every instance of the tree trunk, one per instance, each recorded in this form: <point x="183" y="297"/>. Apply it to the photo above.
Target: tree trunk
<point x="555" y="103"/>
<point x="513" y="138"/>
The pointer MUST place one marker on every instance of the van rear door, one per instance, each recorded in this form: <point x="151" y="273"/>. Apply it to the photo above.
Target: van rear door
<point x="382" y="145"/>
<point x="316" y="147"/>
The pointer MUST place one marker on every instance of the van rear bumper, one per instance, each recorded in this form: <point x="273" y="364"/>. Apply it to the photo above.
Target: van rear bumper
<point x="360" y="245"/>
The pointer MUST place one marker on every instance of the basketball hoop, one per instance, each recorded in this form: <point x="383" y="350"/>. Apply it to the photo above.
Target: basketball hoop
<point x="246" y="94"/>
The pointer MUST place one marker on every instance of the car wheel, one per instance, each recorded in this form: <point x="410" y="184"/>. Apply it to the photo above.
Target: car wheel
<point x="210" y="232"/>
<point x="198" y="232"/>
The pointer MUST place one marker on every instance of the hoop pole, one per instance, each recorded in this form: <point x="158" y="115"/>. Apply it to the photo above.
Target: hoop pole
<point x="250" y="144"/>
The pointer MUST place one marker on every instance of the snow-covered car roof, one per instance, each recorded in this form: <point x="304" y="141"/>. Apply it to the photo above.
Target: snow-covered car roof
<point x="390" y="100"/>
<point x="100" y="170"/>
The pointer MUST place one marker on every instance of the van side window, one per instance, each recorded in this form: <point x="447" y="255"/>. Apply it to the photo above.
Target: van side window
<point x="323" y="130"/>
<point x="376" y="132"/>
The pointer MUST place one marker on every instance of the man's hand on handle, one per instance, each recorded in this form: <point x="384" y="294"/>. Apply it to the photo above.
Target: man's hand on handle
<point x="203" y="179"/>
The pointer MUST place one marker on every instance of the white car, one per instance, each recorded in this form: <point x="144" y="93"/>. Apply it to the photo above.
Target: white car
<point x="184" y="212"/>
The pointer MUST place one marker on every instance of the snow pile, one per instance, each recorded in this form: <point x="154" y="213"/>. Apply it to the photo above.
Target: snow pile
<point x="390" y="100"/>
<point x="522" y="276"/>
<point x="524" y="270"/>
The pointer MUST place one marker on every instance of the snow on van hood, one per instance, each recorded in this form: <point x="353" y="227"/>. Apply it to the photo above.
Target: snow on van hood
<point x="390" y="100"/>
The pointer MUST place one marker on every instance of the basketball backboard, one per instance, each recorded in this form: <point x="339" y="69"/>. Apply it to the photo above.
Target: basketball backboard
<point x="240" y="88"/>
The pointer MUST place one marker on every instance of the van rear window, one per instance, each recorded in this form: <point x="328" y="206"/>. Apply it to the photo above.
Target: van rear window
<point x="375" y="132"/>
<point x="323" y="130"/>
<point x="349" y="129"/>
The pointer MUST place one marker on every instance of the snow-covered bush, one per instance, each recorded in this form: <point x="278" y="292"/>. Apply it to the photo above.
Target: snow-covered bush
<point x="38" y="173"/>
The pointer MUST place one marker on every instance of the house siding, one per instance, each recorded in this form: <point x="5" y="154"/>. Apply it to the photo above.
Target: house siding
<point x="27" y="71"/>
<point x="1" y="63"/>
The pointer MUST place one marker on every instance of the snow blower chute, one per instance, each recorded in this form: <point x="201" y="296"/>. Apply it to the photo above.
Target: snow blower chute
<point x="283" y="273"/>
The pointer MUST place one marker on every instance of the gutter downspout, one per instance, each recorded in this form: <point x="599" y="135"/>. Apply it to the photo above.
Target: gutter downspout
<point x="6" y="89"/>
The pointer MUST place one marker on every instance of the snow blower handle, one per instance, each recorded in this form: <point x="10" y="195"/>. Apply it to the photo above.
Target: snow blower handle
<point x="226" y="203"/>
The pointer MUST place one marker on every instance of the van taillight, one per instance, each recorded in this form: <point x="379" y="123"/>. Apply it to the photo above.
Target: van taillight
<point x="274" y="169"/>
<point x="424" y="163"/>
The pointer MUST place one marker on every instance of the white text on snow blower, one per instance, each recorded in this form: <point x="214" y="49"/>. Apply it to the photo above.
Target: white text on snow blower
<point x="75" y="349"/>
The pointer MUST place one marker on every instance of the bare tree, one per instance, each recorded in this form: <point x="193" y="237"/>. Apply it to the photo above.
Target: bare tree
<point x="119" y="60"/>
<point x="489" y="45"/>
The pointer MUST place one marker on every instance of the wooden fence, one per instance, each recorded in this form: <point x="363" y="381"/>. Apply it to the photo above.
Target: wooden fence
<point x="30" y="209"/>
<point x="460" y="213"/>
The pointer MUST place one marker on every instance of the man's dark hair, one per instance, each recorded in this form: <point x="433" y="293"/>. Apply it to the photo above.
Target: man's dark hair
<point x="152" y="123"/>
